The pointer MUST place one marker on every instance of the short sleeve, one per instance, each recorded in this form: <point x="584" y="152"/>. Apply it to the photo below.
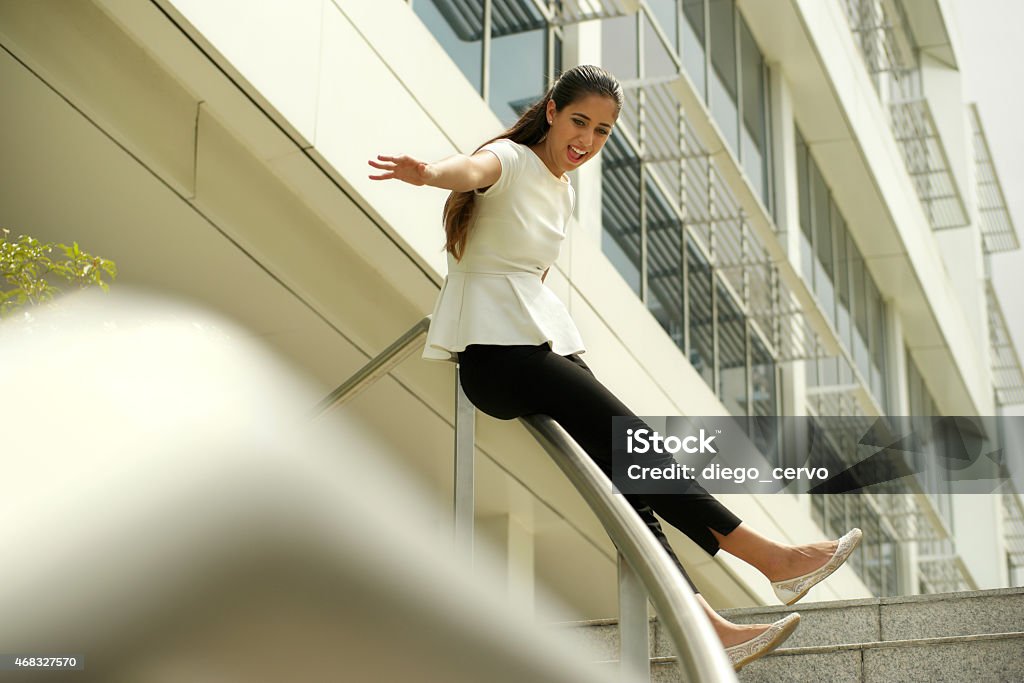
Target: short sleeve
<point x="510" y="155"/>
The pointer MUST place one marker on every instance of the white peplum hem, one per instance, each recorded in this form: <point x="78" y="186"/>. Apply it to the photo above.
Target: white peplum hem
<point x="504" y="309"/>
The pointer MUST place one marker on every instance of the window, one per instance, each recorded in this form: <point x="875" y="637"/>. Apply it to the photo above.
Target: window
<point x="822" y="230"/>
<point x="693" y="33"/>
<point x="753" y="133"/>
<point x="518" y="73"/>
<point x="667" y="16"/>
<point x="619" y="56"/>
<point x="835" y="270"/>
<point x="699" y="317"/>
<point x="842" y="274"/>
<point x="620" y="209"/>
<point x="518" y="47"/>
<point x="764" y="399"/>
<point x="657" y="60"/>
<point x="860" y="312"/>
<point x="722" y="86"/>
<point x="803" y="182"/>
<point x="619" y="48"/>
<point x="732" y="354"/>
<point x="876" y="317"/>
<point x="459" y="29"/>
<point x="922" y="411"/>
<point x="665" y="264"/>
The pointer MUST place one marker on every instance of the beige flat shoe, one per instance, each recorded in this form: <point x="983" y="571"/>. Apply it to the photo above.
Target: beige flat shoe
<point x="791" y="590"/>
<point x="758" y="646"/>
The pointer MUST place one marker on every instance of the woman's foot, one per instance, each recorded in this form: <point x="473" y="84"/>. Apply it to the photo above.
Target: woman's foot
<point x="729" y="633"/>
<point x="744" y="643"/>
<point x="817" y="560"/>
<point x="765" y="638"/>
<point x="733" y="634"/>
<point x="797" y="560"/>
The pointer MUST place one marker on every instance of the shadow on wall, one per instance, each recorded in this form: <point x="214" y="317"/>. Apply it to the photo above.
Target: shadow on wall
<point x="169" y="512"/>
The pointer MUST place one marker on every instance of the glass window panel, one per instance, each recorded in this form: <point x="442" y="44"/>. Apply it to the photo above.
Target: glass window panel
<point x="804" y="197"/>
<point x="842" y="268"/>
<point x="821" y="224"/>
<point x="860" y="313"/>
<point x="877" y="322"/>
<point x="803" y="185"/>
<point x="752" y="74"/>
<point x="619" y="56"/>
<point x="842" y="286"/>
<point x="723" y="44"/>
<point x="829" y="371"/>
<point x="722" y="88"/>
<point x="458" y="27"/>
<point x="753" y="137"/>
<point x="700" y="320"/>
<point x="693" y="43"/>
<point x="696" y="196"/>
<point x="665" y="265"/>
<point x="618" y="46"/>
<point x="762" y="379"/>
<point x="913" y="385"/>
<point x="620" y="209"/>
<point x="754" y="166"/>
<point x="811" y="372"/>
<point x="557" y="58"/>
<point x="657" y="61"/>
<point x="732" y="355"/>
<point x="518" y="73"/>
<point x="824" y="292"/>
<point x="821" y="218"/>
<point x="665" y="13"/>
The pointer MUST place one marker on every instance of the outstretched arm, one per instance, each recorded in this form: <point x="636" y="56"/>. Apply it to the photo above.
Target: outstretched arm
<point x="459" y="172"/>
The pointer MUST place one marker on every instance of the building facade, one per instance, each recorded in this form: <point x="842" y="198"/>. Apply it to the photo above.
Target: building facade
<point x="793" y="217"/>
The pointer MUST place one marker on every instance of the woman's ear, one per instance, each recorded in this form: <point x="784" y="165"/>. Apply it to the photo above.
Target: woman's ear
<point x="550" y="111"/>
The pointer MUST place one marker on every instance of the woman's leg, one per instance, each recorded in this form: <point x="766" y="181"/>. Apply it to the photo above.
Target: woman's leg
<point x="585" y="408"/>
<point x="512" y="381"/>
<point x="509" y="382"/>
<point x="777" y="561"/>
<point x="710" y="524"/>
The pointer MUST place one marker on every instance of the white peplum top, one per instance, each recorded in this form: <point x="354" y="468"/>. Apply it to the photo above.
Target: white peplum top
<point x="494" y="295"/>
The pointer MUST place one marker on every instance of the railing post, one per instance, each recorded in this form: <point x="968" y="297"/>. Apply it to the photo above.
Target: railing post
<point x="634" y="629"/>
<point x="465" y="417"/>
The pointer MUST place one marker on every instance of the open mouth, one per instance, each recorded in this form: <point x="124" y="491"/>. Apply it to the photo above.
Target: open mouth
<point x="575" y="154"/>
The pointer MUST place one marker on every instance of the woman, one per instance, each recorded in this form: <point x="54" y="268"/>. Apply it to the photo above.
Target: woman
<point x="518" y="349"/>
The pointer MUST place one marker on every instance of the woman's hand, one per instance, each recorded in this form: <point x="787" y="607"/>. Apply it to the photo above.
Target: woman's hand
<point x="459" y="172"/>
<point x="404" y="168"/>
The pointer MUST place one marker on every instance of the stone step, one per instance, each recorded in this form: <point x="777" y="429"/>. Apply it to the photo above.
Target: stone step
<point x="871" y="620"/>
<point x="956" y="659"/>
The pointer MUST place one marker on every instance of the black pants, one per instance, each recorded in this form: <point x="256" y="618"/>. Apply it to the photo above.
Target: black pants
<point x="511" y="381"/>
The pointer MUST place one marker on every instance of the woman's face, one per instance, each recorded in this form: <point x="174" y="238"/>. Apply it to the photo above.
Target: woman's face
<point x="579" y="131"/>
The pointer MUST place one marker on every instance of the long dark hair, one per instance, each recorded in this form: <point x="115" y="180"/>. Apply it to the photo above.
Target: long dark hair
<point x="531" y="128"/>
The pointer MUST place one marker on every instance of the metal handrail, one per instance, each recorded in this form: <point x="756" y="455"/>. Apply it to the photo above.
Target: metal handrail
<point x="698" y="648"/>
<point x="377" y="367"/>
